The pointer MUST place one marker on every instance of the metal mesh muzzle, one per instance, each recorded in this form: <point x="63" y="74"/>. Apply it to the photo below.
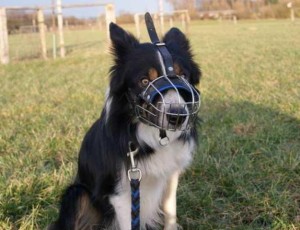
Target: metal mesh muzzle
<point x="169" y="103"/>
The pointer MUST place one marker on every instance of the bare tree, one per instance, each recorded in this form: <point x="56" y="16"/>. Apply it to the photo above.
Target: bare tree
<point x="189" y="5"/>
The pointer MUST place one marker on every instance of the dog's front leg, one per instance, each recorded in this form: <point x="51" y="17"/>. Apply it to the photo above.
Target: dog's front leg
<point x="169" y="202"/>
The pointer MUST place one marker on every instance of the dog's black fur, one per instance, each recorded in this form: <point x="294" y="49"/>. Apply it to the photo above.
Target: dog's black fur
<point x="85" y="203"/>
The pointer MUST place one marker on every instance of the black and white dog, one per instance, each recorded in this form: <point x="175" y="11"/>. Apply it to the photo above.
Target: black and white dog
<point x="153" y="110"/>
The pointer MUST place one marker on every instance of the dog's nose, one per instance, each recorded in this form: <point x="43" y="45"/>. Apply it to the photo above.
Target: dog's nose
<point x="176" y="116"/>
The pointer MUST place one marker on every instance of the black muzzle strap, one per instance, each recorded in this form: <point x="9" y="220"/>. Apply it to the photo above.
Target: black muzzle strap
<point x="167" y="58"/>
<point x="151" y="29"/>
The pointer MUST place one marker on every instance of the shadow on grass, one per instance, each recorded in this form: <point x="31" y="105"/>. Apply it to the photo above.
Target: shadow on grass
<point x="246" y="173"/>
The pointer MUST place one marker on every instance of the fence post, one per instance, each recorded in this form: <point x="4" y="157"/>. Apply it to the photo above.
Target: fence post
<point x="40" y="16"/>
<point x="171" y="22"/>
<point x="183" y="21"/>
<point x="292" y="14"/>
<point x="137" y="25"/>
<point x="234" y="19"/>
<point x="4" y="51"/>
<point x="60" y="29"/>
<point x="110" y="16"/>
<point x="161" y="17"/>
<point x="291" y="7"/>
<point x="188" y="21"/>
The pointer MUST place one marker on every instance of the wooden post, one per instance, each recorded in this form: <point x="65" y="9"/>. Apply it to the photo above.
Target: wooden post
<point x="290" y="5"/>
<point x="156" y="20"/>
<point x="171" y="22"/>
<point x="137" y="25"/>
<point x="41" y="23"/>
<point x="53" y="30"/>
<point x="188" y="21"/>
<point x="234" y="19"/>
<point x="292" y="14"/>
<point x="60" y="29"/>
<point x="110" y="16"/>
<point x="34" y="25"/>
<point x="100" y="22"/>
<point x="161" y="17"/>
<point x="220" y="18"/>
<point x="4" y="51"/>
<point x="183" y="24"/>
<point x="67" y="25"/>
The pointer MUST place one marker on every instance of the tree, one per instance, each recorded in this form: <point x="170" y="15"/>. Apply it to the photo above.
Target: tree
<point x="18" y="18"/>
<point x="189" y="5"/>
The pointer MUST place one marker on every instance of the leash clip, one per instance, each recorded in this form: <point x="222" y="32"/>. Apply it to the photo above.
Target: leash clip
<point x="133" y="172"/>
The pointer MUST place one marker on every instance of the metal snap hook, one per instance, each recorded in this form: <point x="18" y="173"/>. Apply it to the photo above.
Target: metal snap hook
<point x="134" y="174"/>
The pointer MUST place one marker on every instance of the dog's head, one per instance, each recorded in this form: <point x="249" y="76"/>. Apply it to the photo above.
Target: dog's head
<point x="166" y="102"/>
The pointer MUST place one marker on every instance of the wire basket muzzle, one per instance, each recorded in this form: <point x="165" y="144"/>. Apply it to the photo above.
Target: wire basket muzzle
<point x="169" y="103"/>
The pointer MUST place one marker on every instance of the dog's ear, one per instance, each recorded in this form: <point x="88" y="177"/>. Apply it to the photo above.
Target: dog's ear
<point x="174" y="35"/>
<point x="178" y="43"/>
<point x="122" y="42"/>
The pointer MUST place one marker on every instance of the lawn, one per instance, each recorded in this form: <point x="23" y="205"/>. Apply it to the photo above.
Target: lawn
<point x="246" y="172"/>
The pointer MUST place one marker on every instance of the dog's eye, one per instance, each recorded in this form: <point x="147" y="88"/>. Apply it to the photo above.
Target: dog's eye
<point x="145" y="81"/>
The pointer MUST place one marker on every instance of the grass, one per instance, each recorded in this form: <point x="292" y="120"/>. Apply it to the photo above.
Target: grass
<point x="246" y="172"/>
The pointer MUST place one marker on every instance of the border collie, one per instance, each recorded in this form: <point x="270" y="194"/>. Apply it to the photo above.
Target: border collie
<point x="148" y="107"/>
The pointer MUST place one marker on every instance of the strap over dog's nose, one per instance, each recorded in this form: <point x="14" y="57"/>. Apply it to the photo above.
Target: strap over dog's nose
<point x="167" y="58"/>
<point x="162" y="84"/>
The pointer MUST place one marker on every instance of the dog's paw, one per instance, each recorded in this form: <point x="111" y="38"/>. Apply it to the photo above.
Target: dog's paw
<point x="174" y="226"/>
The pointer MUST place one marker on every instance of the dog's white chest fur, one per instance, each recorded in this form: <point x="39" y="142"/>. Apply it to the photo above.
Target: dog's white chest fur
<point x="157" y="170"/>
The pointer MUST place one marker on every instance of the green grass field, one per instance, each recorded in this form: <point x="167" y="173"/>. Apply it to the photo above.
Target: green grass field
<point x="246" y="173"/>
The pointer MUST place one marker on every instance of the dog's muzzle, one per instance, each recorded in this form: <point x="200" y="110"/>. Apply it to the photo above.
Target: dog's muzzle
<point x="156" y="108"/>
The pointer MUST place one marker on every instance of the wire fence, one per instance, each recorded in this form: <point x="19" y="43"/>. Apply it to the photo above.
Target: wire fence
<point x="23" y="39"/>
<point x="84" y="40"/>
<point x="34" y="33"/>
<point x="26" y="46"/>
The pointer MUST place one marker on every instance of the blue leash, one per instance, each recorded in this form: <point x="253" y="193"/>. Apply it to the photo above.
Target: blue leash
<point x="135" y="204"/>
<point x="134" y="176"/>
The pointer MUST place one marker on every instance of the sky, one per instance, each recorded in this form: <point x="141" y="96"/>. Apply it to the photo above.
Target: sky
<point x="132" y="6"/>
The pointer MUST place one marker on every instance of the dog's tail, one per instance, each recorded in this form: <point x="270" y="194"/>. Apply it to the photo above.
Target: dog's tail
<point x="77" y="211"/>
